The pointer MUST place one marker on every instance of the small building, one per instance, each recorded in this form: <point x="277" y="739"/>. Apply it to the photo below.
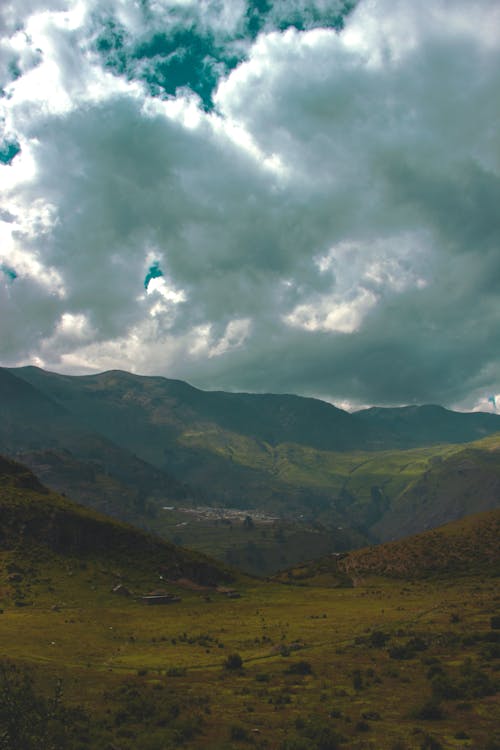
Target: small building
<point x="160" y="597"/>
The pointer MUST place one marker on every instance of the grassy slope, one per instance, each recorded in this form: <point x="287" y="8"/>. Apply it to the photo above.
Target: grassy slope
<point x="469" y="546"/>
<point x="154" y="678"/>
<point x="416" y="488"/>
<point x="45" y="527"/>
<point x="456" y="484"/>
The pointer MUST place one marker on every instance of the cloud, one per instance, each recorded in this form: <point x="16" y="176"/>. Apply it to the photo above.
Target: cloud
<point x="315" y="194"/>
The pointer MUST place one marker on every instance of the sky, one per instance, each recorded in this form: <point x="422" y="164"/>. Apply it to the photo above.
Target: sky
<point x="257" y="195"/>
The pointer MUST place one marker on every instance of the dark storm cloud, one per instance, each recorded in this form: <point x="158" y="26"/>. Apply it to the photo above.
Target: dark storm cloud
<point x="322" y="202"/>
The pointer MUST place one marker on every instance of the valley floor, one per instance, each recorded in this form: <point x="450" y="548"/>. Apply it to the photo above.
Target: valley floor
<point x="386" y="665"/>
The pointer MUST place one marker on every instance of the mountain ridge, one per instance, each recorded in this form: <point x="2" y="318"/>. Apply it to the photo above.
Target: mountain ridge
<point x="130" y="445"/>
<point x="292" y="418"/>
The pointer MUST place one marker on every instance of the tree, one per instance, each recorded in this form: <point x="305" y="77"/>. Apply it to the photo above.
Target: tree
<point x="30" y="721"/>
<point x="248" y="523"/>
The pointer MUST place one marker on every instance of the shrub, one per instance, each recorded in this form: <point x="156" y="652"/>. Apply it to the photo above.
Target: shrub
<point x="430" y="743"/>
<point x="362" y="726"/>
<point x="297" y="743"/>
<point x="357" y="680"/>
<point x="30" y="721"/>
<point x="434" y="670"/>
<point x="474" y="682"/>
<point x="238" y="734"/>
<point x="335" y="713"/>
<point x="176" y="671"/>
<point x="262" y="677"/>
<point x="300" y="667"/>
<point x="417" y="644"/>
<point x="443" y="688"/>
<point x="233" y="662"/>
<point x="313" y="734"/>
<point x="378" y="639"/>
<point x="429" y="711"/>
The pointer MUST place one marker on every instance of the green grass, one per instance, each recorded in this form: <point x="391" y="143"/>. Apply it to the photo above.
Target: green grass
<point x="382" y="657"/>
<point x="98" y="642"/>
<point x="355" y="471"/>
<point x="383" y="493"/>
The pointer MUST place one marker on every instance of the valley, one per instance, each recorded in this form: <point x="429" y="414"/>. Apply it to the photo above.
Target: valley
<point x="355" y="651"/>
<point x="129" y="446"/>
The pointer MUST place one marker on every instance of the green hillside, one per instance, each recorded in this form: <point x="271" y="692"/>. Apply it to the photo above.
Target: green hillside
<point x="385" y="493"/>
<point x="40" y="529"/>
<point x="468" y="547"/>
<point x="131" y="446"/>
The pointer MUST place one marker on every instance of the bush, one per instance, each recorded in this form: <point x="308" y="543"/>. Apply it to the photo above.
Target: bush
<point x="176" y="671"/>
<point x="443" y="688"/>
<point x="238" y="734"/>
<point x="233" y="662"/>
<point x="314" y="735"/>
<point x="300" y="667"/>
<point x="429" y="711"/>
<point x="430" y="743"/>
<point x="357" y="680"/>
<point x="378" y="639"/>
<point x="30" y="721"/>
<point x="474" y="683"/>
<point x="362" y="726"/>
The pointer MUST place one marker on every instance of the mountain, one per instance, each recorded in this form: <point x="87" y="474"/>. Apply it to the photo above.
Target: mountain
<point x="44" y="434"/>
<point x="144" y="413"/>
<point x="414" y="426"/>
<point x="129" y="445"/>
<point x="453" y="485"/>
<point x="465" y="547"/>
<point x="41" y="527"/>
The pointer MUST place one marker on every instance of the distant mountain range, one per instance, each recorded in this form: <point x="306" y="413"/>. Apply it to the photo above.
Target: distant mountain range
<point x="128" y="445"/>
<point x="144" y="413"/>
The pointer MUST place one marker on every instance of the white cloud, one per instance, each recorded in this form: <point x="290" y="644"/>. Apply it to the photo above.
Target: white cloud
<point x="331" y="313"/>
<point x="235" y="335"/>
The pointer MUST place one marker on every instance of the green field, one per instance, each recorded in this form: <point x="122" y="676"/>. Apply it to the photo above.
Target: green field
<point x="357" y="664"/>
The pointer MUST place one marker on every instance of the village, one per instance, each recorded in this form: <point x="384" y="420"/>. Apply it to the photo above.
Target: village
<point x="221" y="515"/>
